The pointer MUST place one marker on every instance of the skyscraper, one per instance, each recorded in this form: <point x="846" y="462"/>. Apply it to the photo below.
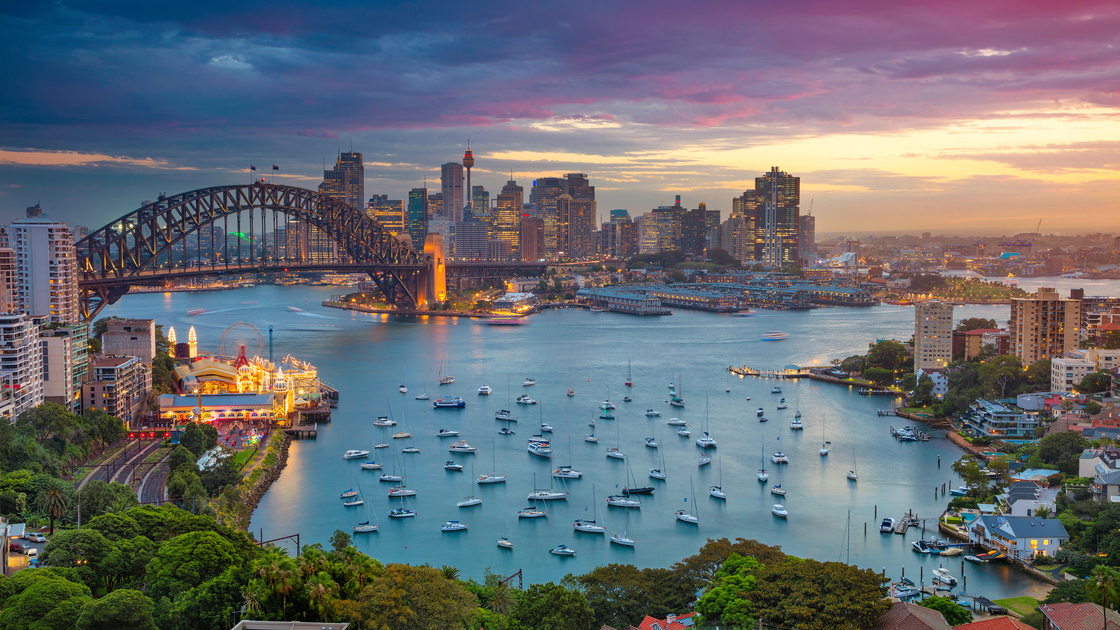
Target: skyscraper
<point x="777" y="200"/>
<point x="532" y="238"/>
<point x="505" y="219"/>
<point x="345" y="183"/>
<point x="468" y="162"/>
<point x="1044" y="325"/>
<point x="388" y="212"/>
<point x="451" y="180"/>
<point x="619" y="215"/>
<point x="545" y="192"/>
<point x="575" y="223"/>
<point x="47" y="267"/>
<point x="694" y="230"/>
<point x="470" y="240"/>
<point x="418" y="216"/>
<point x="480" y="202"/>
<point x="807" y="237"/>
<point x="933" y="335"/>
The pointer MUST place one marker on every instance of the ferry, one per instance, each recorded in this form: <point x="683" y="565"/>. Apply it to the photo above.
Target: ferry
<point x="504" y="321"/>
<point x="454" y="402"/>
<point x="775" y="336"/>
<point x="596" y="309"/>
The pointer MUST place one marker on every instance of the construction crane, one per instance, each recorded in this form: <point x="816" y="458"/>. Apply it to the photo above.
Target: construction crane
<point x="1038" y="234"/>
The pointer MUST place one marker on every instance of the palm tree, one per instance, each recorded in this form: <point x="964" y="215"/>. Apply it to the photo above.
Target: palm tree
<point x="320" y="589"/>
<point x="1106" y="584"/>
<point x="54" y="500"/>
<point x="501" y="601"/>
<point x="1043" y="511"/>
<point x="449" y="572"/>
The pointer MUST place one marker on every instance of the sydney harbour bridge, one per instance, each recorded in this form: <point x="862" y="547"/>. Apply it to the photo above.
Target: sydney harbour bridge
<point x="175" y="238"/>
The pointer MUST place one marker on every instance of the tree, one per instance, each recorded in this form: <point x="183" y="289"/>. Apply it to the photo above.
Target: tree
<point x="1000" y="465"/>
<point x="722" y="257"/>
<point x="697" y="571"/>
<point x="1095" y="382"/>
<point x="1073" y="591"/>
<point x="909" y="381"/>
<point x="45" y="601"/>
<point x="193" y="440"/>
<point x="551" y="606"/>
<point x="340" y="540"/>
<point x="852" y="364"/>
<point x="879" y="376"/>
<point x="449" y="572"/>
<point x="76" y="547"/>
<point x="1092" y="407"/>
<point x="181" y="456"/>
<point x="188" y="560"/>
<point x="54" y="500"/>
<point x="124" y="608"/>
<point x="969" y="470"/>
<point x="1104" y="586"/>
<point x="418" y="598"/>
<point x="889" y="355"/>
<point x="804" y="594"/>
<point x="622" y="594"/>
<point x="1111" y="340"/>
<point x="1038" y="376"/>
<point x="953" y="613"/>
<point x="725" y="602"/>
<point x="975" y="323"/>
<point x="1062" y="449"/>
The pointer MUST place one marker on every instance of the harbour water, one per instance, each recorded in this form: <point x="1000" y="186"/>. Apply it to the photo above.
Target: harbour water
<point x="367" y="356"/>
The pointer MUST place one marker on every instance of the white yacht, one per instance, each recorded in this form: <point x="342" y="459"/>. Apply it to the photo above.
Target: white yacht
<point x="461" y="446"/>
<point x="689" y="517"/>
<point x="469" y="501"/>
<point x="676" y="422"/>
<point x="588" y="527"/>
<point x="485" y="390"/>
<point x="402" y="435"/>
<point x="546" y="494"/>
<point x="684" y="432"/>
<point x="371" y="466"/>
<point x="704" y="460"/>
<point x="567" y="472"/>
<point x="540" y="446"/>
<point x="531" y="512"/>
<point x="529" y="382"/>
<point x="451" y="465"/>
<point x="623" y="501"/>
<point x="651" y="413"/>
<point x="486" y="478"/>
<point x="562" y="550"/>
<point x="401" y="491"/>
<point x="780" y="511"/>
<point x="410" y="449"/>
<point x="706" y="441"/>
<point x="524" y="399"/>
<point x="364" y="528"/>
<point x="796" y="425"/>
<point x="401" y="513"/>
<point x="778" y="490"/>
<point x="825" y="448"/>
<point x="384" y="421"/>
<point x="621" y="539"/>
<point x="404" y="390"/>
<point x="381" y="445"/>
<point x="779" y="458"/>
<point x="651" y="442"/>
<point x="505" y="543"/>
<point x="390" y="478"/>
<point x="423" y="397"/>
<point x="546" y="428"/>
<point x="775" y="390"/>
<point x="615" y="453"/>
<point x="447" y="433"/>
<point x="590" y="438"/>
<point x="453" y="526"/>
<point x="355" y="454"/>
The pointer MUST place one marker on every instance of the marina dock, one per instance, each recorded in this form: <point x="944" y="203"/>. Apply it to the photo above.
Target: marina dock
<point x="303" y="432"/>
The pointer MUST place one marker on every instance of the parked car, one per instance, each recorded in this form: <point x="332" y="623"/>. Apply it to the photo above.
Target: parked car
<point x="36" y="537"/>
<point x="32" y="552"/>
<point x="15" y="548"/>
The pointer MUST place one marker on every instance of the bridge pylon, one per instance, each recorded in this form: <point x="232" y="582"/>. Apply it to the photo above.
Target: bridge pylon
<point x="434" y="278"/>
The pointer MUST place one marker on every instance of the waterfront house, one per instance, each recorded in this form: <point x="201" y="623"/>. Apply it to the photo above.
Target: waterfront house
<point x="1023" y="498"/>
<point x="1018" y="536"/>
<point x="905" y="616"/>
<point x="1067" y="616"/>
<point x="1001" y="421"/>
<point x="1003" y="622"/>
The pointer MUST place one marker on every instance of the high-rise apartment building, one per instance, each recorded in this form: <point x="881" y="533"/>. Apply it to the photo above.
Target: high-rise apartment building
<point x="1044" y="325"/>
<point x="694" y="230"/>
<point x="470" y="240"/>
<point x="451" y="183"/>
<point x="807" y="237"/>
<point x="532" y="238"/>
<point x="418" y="216"/>
<point x="505" y="218"/>
<point x="933" y="335"/>
<point x="65" y="363"/>
<point x="480" y="208"/>
<point x="47" y="269"/>
<point x="21" y="364"/>
<point x="736" y="236"/>
<point x="777" y="201"/>
<point x="618" y="215"/>
<point x="575" y="224"/>
<point x="543" y="196"/>
<point x="9" y="288"/>
<point x="649" y="234"/>
<point x="388" y="212"/>
<point x="118" y="386"/>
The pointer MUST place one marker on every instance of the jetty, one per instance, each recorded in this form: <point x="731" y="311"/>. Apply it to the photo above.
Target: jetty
<point x="788" y="372"/>
<point x="303" y="432"/>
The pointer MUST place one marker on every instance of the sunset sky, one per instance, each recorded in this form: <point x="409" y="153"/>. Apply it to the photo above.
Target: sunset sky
<point x="952" y="117"/>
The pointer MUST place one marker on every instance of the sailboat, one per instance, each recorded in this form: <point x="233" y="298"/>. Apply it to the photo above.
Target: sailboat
<point x="393" y="477"/>
<point x="403" y="388"/>
<point x="355" y="500"/>
<point x="826" y="445"/>
<point x="532" y="511"/>
<point x="470" y="499"/>
<point x="777" y="488"/>
<point x="706" y="441"/>
<point x="615" y="452"/>
<point x="445" y="379"/>
<point x="852" y="474"/>
<point x="633" y="489"/>
<point x="571" y="392"/>
<point x="659" y="473"/>
<point x="676" y="400"/>
<point x="365" y="527"/>
<point x="629" y="381"/>
<point x="493" y="477"/>
<point x="506" y="414"/>
<point x="684" y="515"/>
<point x="624" y="500"/>
<point x="485" y="390"/>
<point x="402" y="490"/>
<point x="402" y="511"/>
<point x="504" y="542"/>
<point x="607" y="404"/>
<point x="565" y="471"/>
<point x="545" y="494"/>
<point x="590" y="526"/>
<point x="622" y="539"/>
<point x="717" y="491"/>
<point x="762" y="474"/>
<point x="350" y="493"/>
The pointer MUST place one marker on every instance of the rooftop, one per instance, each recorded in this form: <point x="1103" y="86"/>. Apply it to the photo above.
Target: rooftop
<point x="904" y="616"/>
<point x="110" y="361"/>
<point x="1066" y="616"/>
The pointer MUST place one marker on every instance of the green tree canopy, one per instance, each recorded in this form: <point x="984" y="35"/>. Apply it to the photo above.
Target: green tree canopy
<point x="879" y="376"/>
<point x="1062" y="449"/>
<point x="852" y="364"/>
<point x="187" y="561"/>
<point x="124" y="608"/>
<point x="889" y="355"/>
<point x="551" y="606"/>
<point x="45" y="601"/>
<point x="725" y="602"/>
<point x="804" y="594"/>
<point x="420" y="598"/>
<point x="698" y="570"/>
<point x="54" y="500"/>
<point x="975" y="323"/>
<point x="1095" y="382"/>
<point x="954" y="613"/>
<point x="622" y="594"/>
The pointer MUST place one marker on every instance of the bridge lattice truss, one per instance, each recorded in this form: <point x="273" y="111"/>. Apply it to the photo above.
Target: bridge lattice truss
<point x="153" y="244"/>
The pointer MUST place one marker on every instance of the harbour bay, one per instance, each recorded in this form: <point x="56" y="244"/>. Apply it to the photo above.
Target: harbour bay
<point x="367" y="356"/>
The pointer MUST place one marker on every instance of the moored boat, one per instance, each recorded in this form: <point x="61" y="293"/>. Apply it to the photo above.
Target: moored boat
<point x="453" y="402"/>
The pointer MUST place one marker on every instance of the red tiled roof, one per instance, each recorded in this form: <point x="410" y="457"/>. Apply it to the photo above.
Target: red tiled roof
<point x="904" y="616"/>
<point x="647" y="623"/>
<point x="1108" y="327"/>
<point x="1066" y="616"/>
<point x="995" y="623"/>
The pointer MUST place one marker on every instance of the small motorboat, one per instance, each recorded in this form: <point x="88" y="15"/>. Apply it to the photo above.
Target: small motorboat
<point x="887" y="526"/>
<point x="531" y="512"/>
<point x="943" y="576"/>
<point x="384" y="421"/>
<point x="447" y="433"/>
<point x="704" y="460"/>
<point x="650" y="413"/>
<point x="782" y="404"/>
<point x="606" y="415"/>
<point x="779" y="458"/>
<point x="571" y="392"/>
<point x="453" y="526"/>
<point x="763" y="419"/>
<point x="652" y="443"/>
<point x="371" y="466"/>
<point x="546" y="428"/>
<point x="780" y="511"/>
<point x="355" y="454"/>
<point x="402" y="435"/>
<point x="778" y="490"/>
<point x="684" y="432"/>
<point x="562" y="550"/>
<point x="760" y="411"/>
<point x="905" y="581"/>
<point x="505" y="431"/>
<point x="382" y="445"/>
<point x="904" y="592"/>
<point x="920" y="546"/>
<point x="451" y="465"/>
<point x="775" y="336"/>
<point x="504" y="543"/>
<point x="591" y="438"/>
<point x="524" y="399"/>
<point x="976" y="559"/>
<point x="410" y="449"/>
<point x="959" y="491"/>
<point x="529" y="382"/>
<point x="423" y="397"/>
<point x="676" y="422"/>
<point x="952" y="551"/>
<point x="627" y="399"/>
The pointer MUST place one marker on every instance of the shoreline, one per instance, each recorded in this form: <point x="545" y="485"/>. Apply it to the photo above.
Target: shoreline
<point x="416" y="311"/>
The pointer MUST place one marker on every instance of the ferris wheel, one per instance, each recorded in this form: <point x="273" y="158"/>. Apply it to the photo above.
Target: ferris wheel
<point x="238" y="338"/>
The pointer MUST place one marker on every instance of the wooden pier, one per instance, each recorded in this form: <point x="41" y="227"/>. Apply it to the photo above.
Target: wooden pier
<point x="749" y="371"/>
<point x="303" y="432"/>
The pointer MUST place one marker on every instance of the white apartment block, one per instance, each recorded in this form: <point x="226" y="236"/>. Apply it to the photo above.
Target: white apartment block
<point x="1065" y="374"/>
<point x="47" y="272"/>
<point x="1103" y="359"/>
<point x="21" y="365"/>
<point x="933" y="335"/>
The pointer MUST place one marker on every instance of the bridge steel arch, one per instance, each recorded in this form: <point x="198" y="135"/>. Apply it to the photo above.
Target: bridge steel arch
<point x="140" y="248"/>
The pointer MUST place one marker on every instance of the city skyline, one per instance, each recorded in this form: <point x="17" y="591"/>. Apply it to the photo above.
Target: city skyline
<point x="890" y="114"/>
